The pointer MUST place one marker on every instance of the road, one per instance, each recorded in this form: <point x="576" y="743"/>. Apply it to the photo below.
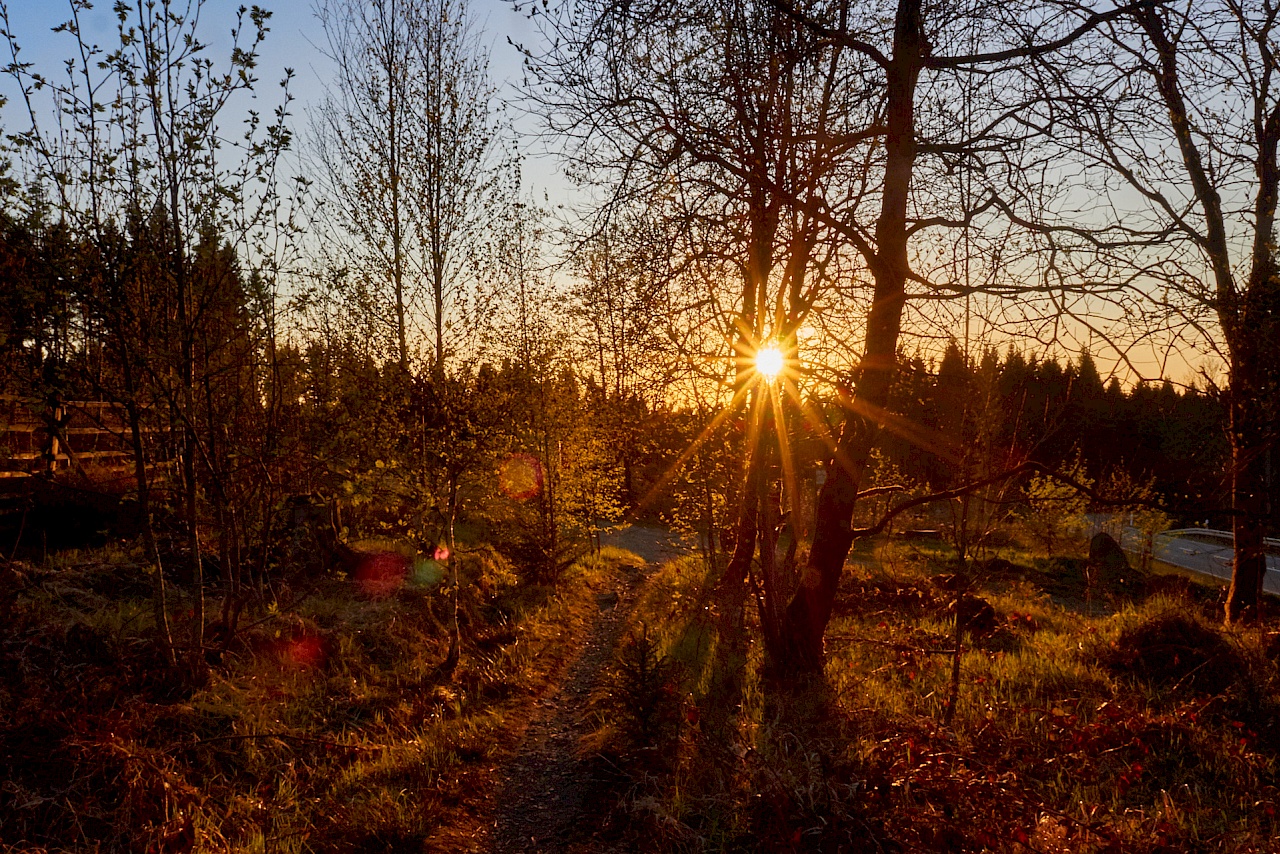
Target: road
<point x="1204" y="551"/>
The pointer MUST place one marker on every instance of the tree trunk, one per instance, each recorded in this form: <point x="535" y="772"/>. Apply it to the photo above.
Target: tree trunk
<point x="159" y="593"/>
<point x="809" y="611"/>
<point x="1251" y="324"/>
<point x="810" y="608"/>
<point x="766" y="499"/>
<point x="1248" y="497"/>
<point x="437" y="370"/>
<point x="732" y="592"/>
<point x="1249" y="317"/>
<point x="455" y="630"/>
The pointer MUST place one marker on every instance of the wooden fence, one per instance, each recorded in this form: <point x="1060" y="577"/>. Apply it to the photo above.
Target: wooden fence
<point x="81" y="442"/>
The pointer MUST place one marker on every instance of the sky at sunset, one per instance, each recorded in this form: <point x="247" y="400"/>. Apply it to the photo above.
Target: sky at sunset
<point x="297" y="41"/>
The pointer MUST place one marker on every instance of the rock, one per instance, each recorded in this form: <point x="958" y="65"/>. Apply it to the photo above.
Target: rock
<point x="975" y="615"/>
<point x="1106" y="555"/>
<point x="955" y="582"/>
<point x="1110" y="571"/>
<point x="998" y="566"/>
<point x="11" y="575"/>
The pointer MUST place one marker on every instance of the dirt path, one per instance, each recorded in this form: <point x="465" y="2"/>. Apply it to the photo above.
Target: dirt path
<point x="544" y="794"/>
<point x="652" y="543"/>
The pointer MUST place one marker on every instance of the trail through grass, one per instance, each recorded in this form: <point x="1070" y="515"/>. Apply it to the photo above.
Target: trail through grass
<point x="546" y="795"/>
<point x="327" y="725"/>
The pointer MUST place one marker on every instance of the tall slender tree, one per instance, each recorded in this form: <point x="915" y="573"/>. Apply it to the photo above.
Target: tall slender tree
<point x="406" y="141"/>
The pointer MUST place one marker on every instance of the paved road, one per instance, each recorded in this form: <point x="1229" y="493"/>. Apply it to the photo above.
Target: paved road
<point x="1197" y="555"/>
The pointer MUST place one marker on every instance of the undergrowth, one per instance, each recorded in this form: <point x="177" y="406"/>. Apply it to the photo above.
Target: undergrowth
<point x="1122" y="722"/>
<point x="327" y="725"/>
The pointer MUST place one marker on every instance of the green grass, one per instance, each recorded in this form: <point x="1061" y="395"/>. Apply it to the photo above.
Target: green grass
<point x="1079" y="725"/>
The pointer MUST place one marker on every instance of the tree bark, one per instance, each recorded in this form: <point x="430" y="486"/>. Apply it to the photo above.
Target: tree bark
<point x="732" y="593"/>
<point x="1248" y="312"/>
<point x="159" y="593"/>
<point x="810" y="608"/>
<point x="1249" y="439"/>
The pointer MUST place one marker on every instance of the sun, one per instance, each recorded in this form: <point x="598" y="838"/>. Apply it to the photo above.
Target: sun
<point x="769" y="362"/>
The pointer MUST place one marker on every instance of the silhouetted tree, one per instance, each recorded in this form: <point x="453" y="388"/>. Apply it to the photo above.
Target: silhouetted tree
<point x="1176" y="112"/>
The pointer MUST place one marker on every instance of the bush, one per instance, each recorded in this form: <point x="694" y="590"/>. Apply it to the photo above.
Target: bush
<point x="1174" y="650"/>
<point x="643" y="694"/>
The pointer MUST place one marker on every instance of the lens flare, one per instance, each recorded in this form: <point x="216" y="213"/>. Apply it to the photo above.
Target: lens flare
<point x="427" y="572"/>
<point x="769" y="362"/>
<point x="382" y="574"/>
<point x="306" y="652"/>
<point x="520" y="476"/>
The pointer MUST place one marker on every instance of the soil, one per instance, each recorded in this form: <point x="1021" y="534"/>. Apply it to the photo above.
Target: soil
<point x="544" y="802"/>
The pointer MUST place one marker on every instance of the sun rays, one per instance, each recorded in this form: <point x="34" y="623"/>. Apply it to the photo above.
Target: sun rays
<point x="768" y="388"/>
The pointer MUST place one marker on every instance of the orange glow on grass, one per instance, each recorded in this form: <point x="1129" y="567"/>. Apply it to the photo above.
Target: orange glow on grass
<point x="307" y="652"/>
<point x="381" y="574"/>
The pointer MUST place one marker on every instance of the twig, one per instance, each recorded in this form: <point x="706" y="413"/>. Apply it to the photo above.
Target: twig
<point x="901" y="647"/>
<point x="279" y="612"/>
<point x="946" y="495"/>
<point x="881" y="490"/>
<point x="22" y="526"/>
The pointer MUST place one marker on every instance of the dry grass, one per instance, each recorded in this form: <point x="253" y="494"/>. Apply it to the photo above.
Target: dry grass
<point x="1122" y="723"/>
<point x="327" y="726"/>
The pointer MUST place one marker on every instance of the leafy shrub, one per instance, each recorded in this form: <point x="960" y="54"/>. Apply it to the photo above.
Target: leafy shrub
<point x="1057" y="515"/>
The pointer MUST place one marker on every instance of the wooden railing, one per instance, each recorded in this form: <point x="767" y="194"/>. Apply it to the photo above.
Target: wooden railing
<point x="84" y="436"/>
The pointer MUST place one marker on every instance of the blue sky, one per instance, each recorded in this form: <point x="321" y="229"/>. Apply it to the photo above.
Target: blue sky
<point x="293" y="42"/>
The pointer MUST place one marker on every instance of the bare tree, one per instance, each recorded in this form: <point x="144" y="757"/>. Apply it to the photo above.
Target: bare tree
<point x="1172" y="114"/>
<point x="915" y="59"/>
<point x="405" y="138"/>
<point x="622" y="273"/>
<point x="717" y="116"/>
<point x="843" y="134"/>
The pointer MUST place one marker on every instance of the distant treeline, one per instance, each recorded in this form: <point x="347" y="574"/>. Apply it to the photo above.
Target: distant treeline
<point x="960" y="418"/>
<point x="951" y="420"/>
